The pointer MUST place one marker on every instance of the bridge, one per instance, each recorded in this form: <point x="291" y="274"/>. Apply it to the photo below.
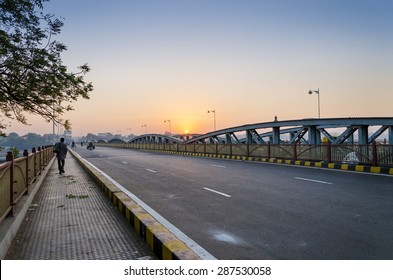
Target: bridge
<point x="204" y="191"/>
<point x="308" y="131"/>
<point x="329" y="140"/>
<point x="297" y="130"/>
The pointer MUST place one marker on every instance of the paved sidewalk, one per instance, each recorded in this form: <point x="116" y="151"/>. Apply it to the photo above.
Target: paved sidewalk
<point x="72" y="219"/>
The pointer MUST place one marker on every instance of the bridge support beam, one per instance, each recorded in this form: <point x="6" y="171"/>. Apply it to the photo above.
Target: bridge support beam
<point x="253" y="137"/>
<point x="363" y="135"/>
<point x="390" y="139"/>
<point x="248" y="137"/>
<point x="350" y="140"/>
<point x="276" y="135"/>
<point x="314" y="135"/>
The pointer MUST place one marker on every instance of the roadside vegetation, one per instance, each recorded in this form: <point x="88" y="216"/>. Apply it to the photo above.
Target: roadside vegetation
<point x="33" y="78"/>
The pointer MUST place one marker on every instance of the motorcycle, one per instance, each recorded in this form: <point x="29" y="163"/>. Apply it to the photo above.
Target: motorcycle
<point x="90" y="146"/>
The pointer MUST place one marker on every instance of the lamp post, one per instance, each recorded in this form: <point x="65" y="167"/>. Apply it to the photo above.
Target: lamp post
<point x="169" y="121"/>
<point x="143" y="125"/>
<point x="129" y="135"/>
<point x="319" y="104"/>
<point x="214" y="112"/>
<point x="53" y="122"/>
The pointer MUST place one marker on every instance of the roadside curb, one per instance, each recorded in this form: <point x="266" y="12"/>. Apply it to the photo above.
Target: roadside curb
<point x="10" y="226"/>
<point x="160" y="240"/>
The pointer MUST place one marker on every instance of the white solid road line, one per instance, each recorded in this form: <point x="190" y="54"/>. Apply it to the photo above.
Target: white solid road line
<point x="220" y="166"/>
<point x="124" y="162"/>
<point x="311" y="180"/>
<point x="151" y="170"/>
<point x="217" y="192"/>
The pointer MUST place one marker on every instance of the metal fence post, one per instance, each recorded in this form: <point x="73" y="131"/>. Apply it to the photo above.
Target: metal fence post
<point x="10" y="158"/>
<point x="294" y="151"/>
<point x="374" y="154"/>
<point x="35" y="161"/>
<point x="46" y="155"/>
<point x="268" y="150"/>
<point x="26" y="155"/>
<point x="329" y="152"/>
<point x="39" y="160"/>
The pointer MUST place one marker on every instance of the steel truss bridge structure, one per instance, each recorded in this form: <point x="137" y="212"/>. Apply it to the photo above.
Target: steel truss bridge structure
<point x="329" y="139"/>
<point x="308" y="131"/>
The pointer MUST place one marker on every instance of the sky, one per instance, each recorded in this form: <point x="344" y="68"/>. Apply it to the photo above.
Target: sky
<point x="248" y="60"/>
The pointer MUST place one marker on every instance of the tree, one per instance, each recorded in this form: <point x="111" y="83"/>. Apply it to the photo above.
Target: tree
<point x="15" y="151"/>
<point x="33" y="77"/>
<point x="14" y="140"/>
<point x="34" y="140"/>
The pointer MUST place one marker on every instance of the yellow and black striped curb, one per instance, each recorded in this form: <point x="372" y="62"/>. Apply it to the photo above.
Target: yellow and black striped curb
<point x="338" y="166"/>
<point x="160" y="240"/>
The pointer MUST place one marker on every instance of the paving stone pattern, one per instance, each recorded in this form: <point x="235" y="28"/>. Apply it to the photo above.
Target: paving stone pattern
<point x="72" y="219"/>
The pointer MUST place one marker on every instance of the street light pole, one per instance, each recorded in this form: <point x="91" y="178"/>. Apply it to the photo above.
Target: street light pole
<point x="319" y="103"/>
<point x="129" y="135"/>
<point x="145" y="127"/>
<point x="53" y="122"/>
<point x="169" y="121"/>
<point x="214" y="112"/>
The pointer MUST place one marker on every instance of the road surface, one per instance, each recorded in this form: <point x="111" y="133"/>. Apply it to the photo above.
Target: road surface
<point x="250" y="210"/>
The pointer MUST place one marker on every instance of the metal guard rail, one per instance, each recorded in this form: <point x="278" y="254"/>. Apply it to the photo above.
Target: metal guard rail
<point x="371" y="155"/>
<point x="16" y="175"/>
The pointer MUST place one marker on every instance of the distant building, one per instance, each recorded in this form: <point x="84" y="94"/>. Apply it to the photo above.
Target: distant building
<point x="67" y="134"/>
<point x="104" y="135"/>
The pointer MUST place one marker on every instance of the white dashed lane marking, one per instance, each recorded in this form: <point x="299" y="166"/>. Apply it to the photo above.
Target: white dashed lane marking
<point x="315" y="181"/>
<point x="217" y="192"/>
<point x="220" y="166"/>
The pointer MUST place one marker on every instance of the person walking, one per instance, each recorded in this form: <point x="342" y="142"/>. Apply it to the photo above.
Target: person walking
<point x="61" y="150"/>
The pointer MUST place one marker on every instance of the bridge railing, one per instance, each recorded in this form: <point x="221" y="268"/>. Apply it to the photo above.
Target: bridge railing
<point x="373" y="154"/>
<point x="16" y="175"/>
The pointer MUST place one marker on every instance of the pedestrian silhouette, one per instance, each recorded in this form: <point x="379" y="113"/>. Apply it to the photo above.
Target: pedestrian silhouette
<point x="61" y="150"/>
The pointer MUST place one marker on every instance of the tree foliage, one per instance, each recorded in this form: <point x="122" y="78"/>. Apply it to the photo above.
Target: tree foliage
<point x="33" y="77"/>
<point x="27" y="141"/>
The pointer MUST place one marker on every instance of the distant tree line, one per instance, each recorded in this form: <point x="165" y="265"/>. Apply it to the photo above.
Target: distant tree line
<point x="28" y="141"/>
<point x="35" y="140"/>
<point x="17" y="144"/>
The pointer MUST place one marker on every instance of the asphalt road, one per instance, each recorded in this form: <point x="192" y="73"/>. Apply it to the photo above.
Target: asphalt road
<point x="249" y="210"/>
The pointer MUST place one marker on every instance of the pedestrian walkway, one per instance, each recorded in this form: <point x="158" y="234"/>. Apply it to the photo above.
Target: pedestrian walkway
<point x="72" y="219"/>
